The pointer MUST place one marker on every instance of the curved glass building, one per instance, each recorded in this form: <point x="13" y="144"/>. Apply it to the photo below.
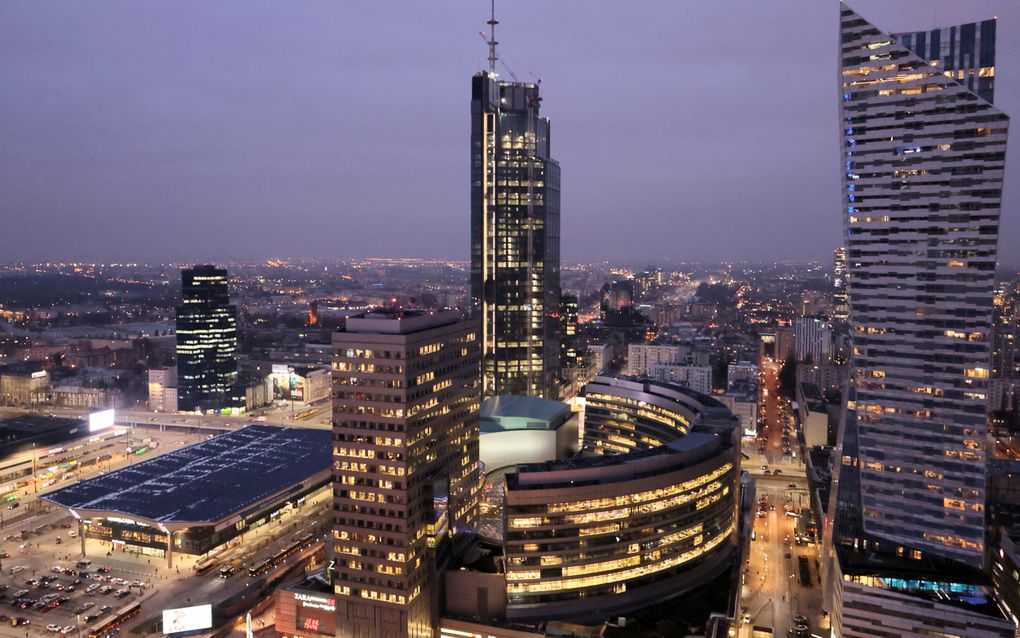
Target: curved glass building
<point x="647" y="511"/>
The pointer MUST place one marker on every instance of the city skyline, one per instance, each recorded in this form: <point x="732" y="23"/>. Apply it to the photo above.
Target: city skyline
<point x="266" y="135"/>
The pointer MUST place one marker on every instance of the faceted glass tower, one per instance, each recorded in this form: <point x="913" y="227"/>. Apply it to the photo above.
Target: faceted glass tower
<point x="923" y="166"/>
<point x="515" y="238"/>
<point x="207" y="343"/>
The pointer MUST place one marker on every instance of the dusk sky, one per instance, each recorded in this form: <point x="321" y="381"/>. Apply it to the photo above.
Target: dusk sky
<point x="192" y="130"/>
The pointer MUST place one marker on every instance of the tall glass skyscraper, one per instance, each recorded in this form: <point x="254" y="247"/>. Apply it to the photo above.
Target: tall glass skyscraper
<point x="922" y="168"/>
<point x="515" y="238"/>
<point x="207" y="343"/>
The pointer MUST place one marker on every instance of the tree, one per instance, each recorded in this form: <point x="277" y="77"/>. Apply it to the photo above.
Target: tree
<point x="788" y="378"/>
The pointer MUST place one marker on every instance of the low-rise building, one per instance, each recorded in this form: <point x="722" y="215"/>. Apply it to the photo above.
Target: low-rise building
<point x="743" y="372"/>
<point x="21" y="382"/>
<point x="163" y="389"/>
<point x="697" y="378"/>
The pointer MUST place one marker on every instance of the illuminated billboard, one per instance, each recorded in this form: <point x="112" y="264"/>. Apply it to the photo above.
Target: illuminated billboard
<point x="101" y="420"/>
<point x="187" y="619"/>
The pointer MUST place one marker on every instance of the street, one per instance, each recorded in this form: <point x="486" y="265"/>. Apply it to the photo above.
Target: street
<point x="773" y="593"/>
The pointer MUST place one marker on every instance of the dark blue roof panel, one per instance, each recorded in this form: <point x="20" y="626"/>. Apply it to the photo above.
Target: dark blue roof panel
<point x="208" y="481"/>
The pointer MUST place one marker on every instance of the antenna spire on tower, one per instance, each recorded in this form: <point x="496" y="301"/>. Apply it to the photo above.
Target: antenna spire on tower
<point x="492" y="22"/>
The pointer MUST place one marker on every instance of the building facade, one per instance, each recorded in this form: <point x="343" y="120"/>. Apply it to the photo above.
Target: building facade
<point x="697" y="378"/>
<point x="163" y="389"/>
<point x="741" y="373"/>
<point x="923" y="171"/>
<point x="406" y="429"/>
<point x="658" y="499"/>
<point x="812" y="341"/>
<point x="840" y="307"/>
<point x="207" y="343"/>
<point x="515" y="238"/>
<point x="641" y="357"/>
<point x="1006" y="332"/>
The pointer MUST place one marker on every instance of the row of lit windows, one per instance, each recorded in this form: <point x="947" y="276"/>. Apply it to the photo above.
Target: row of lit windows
<point x="639" y="497"/>
<point x="548" y="585"/>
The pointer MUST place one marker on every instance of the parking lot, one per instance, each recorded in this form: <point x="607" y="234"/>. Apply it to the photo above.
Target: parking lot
<point x="41" y="594"/>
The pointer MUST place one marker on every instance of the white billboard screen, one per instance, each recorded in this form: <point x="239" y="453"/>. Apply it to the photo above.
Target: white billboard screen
<point x="100" y="420"/>
<point x="187" y="619"/>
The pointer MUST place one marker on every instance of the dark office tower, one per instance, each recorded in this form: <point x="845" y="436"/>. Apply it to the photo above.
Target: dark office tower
<point x="922" y="171"/>
<point x="840" y="309"/>
<point x="406" y="473"/>
<point x="568" y="331"/>
<point x="1006" y="333"/>
<point x="207" y="343"/>
<point x="515" y="238"/>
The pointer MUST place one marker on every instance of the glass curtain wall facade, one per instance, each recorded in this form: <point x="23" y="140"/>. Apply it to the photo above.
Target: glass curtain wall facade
<point x="515" y="238"/>
<point x="207" y="343"/>
<point x="648" y="513"/>
<point x="924" y="154"/>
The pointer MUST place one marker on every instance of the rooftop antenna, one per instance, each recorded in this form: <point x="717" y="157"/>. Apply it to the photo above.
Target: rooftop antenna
<point x="492" y="22"/>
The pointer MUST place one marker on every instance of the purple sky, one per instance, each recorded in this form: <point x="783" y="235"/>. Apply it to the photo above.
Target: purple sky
<point x="151" y="130"/>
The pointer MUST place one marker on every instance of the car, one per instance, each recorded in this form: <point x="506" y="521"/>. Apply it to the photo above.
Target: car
<point x="17" y="569"/>
<point x="137" y="583"/>
<point x="20" y="620"/>
<point x="122" y="592"/>
<point x="800" y="619"/>
<point x="105" y="609"/>
<point x="14" y="505"/>
<point x="66" y="629"/>
<point x="105" y="589"/>
<point x="82" y="564"/>
<point x="777" y="471"/>
<point x="20" y="593"/>
<point x="90" y="618"/>
<point x="102" y="570"/>
<point x="792" y="486"/>
<point x="73" y="533"/>
<point x="38" y="604"/>
<point x="57" y="569"/>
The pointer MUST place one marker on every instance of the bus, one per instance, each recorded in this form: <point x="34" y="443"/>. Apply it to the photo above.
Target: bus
<point x="264" y="566"/>
<point x="204" y="565"/>
<point x="107" y="627"/>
